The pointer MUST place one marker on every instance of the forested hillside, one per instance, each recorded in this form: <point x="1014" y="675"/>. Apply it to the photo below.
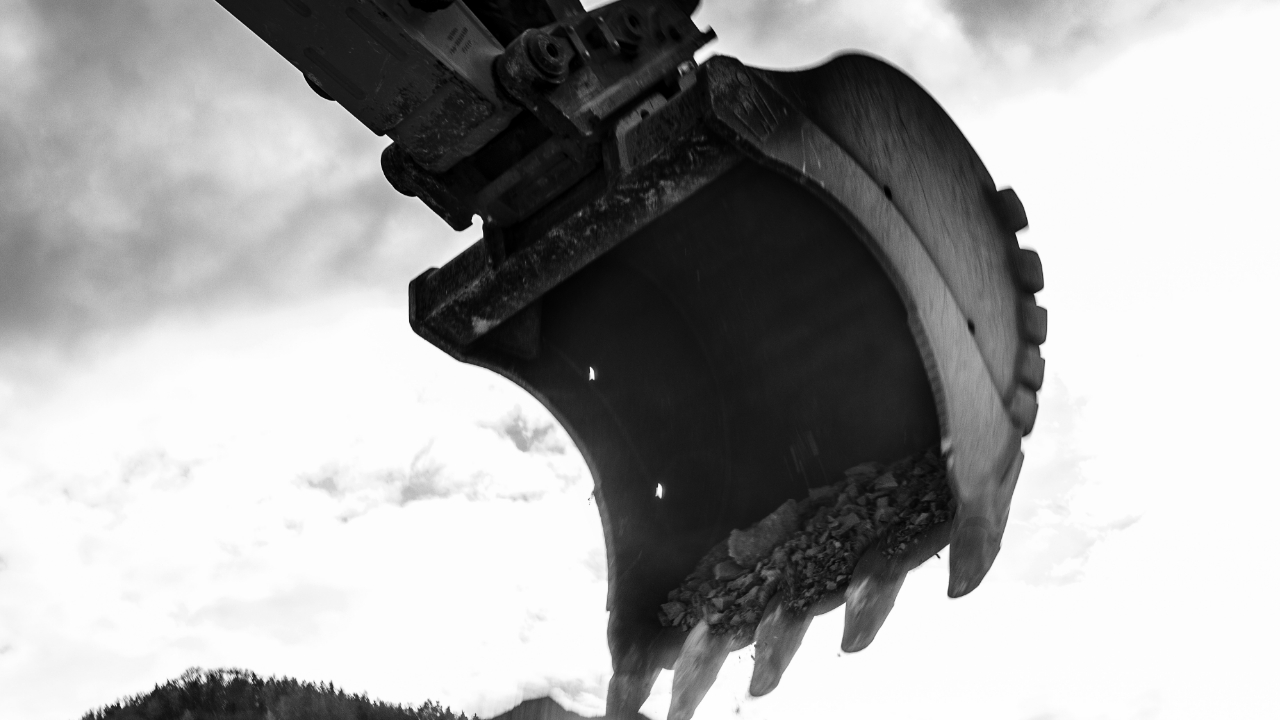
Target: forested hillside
<point x="231" y="694"/>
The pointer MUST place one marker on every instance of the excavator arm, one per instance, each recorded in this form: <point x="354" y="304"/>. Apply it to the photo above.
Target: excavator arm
<point x="729" y="285"/>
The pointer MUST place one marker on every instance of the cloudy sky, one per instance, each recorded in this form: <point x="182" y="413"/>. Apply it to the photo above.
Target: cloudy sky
<point x="221" y="445"/>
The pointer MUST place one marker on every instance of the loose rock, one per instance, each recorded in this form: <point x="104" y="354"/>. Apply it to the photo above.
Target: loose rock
<point x="752" y="545"/>
<point x="805" y="550"/>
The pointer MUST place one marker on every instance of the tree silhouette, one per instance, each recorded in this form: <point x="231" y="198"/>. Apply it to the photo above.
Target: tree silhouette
<point x="233" y="694"/>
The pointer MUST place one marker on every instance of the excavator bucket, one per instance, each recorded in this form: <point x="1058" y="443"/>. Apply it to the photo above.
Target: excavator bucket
<point x="728" y="284"/>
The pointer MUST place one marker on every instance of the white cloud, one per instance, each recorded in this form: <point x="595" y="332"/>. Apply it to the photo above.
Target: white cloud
<point x="968" y="53"/>
<point x="19" y="47"/>
<point x="172" y="160"/>
<point x="157" y="514"/>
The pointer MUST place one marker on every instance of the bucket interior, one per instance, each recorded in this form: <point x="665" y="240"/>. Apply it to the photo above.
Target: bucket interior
<point x="741" y="349"/>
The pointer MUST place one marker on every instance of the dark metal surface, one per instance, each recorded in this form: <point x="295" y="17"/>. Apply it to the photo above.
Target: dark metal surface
<point x="482" y="126"/>
<point x="422" y="78"/>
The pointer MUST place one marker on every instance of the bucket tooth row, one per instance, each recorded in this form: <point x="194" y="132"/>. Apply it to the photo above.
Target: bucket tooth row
<point x="1033" y="320"/>
<point x="869" y="596"/>
<point x="868" y="533"/>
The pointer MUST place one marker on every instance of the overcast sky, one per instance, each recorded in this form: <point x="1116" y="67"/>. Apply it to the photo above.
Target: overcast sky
<point x="221" y="445"/>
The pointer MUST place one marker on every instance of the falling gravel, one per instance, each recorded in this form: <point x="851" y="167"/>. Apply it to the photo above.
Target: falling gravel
<point x="806" y="549"/>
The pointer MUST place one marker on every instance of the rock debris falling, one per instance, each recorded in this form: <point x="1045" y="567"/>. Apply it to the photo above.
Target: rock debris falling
<point x="806" y="550"/>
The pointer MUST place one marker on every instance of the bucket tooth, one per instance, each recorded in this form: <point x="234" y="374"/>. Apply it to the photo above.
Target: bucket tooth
<point x="628" y="691"/>
<point x="778" y="637"/>
<point x="1028" y="271"/>
<point x="1031" y="367"/>
<point x="640" y="652"/>
<point x="1011" y="210"/>
<point x="973" y="550"/>
<point x="875" y="582"/>
<point x="703" y="654"/>
<point x="977" y="530"/>
<point x="1023" y="409"/>
<point x="1033" y="321"/>
<point x="869" y="599"/>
